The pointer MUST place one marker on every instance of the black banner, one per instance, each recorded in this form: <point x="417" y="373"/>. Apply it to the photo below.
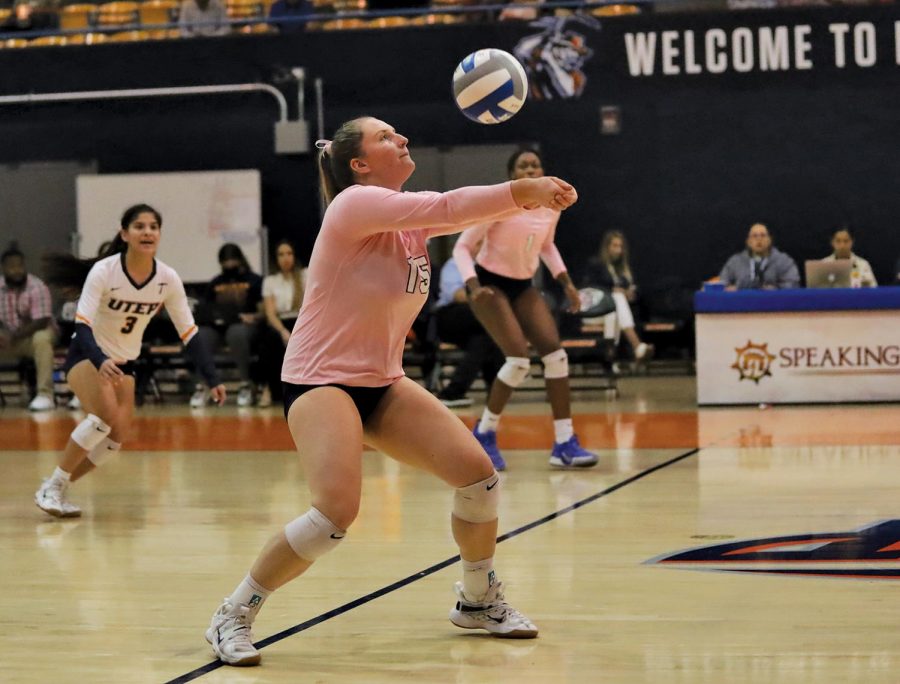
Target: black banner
<point x="681" y="130"/>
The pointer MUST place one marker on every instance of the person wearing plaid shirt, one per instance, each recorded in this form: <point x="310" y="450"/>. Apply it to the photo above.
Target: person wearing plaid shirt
<point x="26" y="323"/>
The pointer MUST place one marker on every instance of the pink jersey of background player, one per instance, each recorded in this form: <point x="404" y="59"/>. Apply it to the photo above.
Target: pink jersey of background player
<point x="369" y="277"/>
<point x="511" y="246"/>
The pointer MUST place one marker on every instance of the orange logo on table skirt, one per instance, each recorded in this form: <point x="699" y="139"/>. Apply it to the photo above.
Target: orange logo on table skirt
<point x="753" y="361"/>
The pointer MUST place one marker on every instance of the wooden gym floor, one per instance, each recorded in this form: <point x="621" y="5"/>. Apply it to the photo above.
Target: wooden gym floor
<point x="795" y="582"/>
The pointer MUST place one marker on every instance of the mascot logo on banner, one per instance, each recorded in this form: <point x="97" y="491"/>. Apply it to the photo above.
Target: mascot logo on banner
<point x="554" y="58"/>
<point x="872" y="552"/>
<point x="753" y="361"/>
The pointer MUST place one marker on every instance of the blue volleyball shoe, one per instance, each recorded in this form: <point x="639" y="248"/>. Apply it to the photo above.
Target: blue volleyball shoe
<point x="488" y="442"/>
<point x="570" y="454"/>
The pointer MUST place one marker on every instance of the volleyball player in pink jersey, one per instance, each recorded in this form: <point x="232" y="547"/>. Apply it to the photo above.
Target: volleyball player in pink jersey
<point x="344" y="384"/>
<point x="120" y="292"/>
<point x="515" y="314"/>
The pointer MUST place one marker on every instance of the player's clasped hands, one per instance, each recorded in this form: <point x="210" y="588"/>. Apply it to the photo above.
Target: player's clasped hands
<point x="547" y="191"/>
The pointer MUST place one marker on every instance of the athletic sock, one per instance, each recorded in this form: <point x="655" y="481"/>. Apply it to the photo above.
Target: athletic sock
<point x="563" y="429"/>
<point x="61" y="475"/>
<point x="478" y="577"/>
<point x="489" y="421"/>
<point x="250" y="593"/>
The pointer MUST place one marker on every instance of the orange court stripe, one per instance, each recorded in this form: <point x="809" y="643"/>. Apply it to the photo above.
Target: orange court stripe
<point x="726" y="428"/>
<point x="162" y="433"/>
<point x="776" y="545"/>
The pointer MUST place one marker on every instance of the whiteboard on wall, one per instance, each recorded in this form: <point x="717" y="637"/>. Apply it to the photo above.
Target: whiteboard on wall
<point x="201" y="211"/>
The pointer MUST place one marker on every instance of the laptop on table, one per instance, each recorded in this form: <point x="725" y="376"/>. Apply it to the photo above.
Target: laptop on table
<point x="826" y="274"/>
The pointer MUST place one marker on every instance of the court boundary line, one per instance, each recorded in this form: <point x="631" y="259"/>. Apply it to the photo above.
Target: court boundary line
<point x="399" y="584"/>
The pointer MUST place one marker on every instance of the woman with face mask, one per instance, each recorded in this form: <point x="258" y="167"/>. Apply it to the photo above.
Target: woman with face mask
<point x="230" y="312"/>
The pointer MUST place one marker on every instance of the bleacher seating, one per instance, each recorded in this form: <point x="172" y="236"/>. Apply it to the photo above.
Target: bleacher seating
<point x="244" y="9"/>
<point x="87" y="39"/>
<point x="17" y="380"/>
<point x="77" y="16"/>
<point x="121" y="13"/>
<point x="129" y="21"/>
<point x="616" y="10"/>
<point x="47" y="40"/>
<point x="157" y="12"/>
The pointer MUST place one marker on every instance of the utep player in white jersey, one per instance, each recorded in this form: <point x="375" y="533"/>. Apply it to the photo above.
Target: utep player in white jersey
<point x="344" y="384"/>
<point x="119" y="296"/>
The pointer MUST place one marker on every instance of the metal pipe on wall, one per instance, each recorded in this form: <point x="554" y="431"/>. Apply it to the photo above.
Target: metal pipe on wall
<point x="320" y="128"/>
<point x="32" y="98"/>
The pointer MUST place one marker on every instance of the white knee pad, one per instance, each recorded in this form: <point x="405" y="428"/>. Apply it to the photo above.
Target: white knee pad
<point x="312" y="535"/>
<point x="515" y="370"/>
<point x="477" y="503"/>
<point x="90" y="432"/>
<point x="104" y="451"/>
<point x="556" y="364"/>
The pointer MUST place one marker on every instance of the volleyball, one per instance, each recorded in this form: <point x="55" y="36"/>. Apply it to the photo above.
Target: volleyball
<point x="489" y="86"/>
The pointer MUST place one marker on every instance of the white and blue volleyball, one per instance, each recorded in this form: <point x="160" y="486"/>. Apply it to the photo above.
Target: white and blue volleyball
<point x="490" y="86"/>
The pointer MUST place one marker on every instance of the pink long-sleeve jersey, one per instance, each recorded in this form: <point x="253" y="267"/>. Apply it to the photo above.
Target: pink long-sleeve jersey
<point x="369" y="276"/>
<point x="511" y="245"/>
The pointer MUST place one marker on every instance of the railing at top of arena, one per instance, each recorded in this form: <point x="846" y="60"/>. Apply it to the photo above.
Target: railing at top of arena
<point x="352" y="14"/>
<point x="352" y="18"/>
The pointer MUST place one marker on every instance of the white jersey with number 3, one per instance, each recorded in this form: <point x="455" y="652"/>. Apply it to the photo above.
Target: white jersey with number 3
<point x="118" y="309"/>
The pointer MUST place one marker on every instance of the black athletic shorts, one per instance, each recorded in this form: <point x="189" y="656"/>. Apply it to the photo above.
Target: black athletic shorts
<point x="365" y="398"/>
<point x="75" y="355"/>
<point x="511" y="287"/>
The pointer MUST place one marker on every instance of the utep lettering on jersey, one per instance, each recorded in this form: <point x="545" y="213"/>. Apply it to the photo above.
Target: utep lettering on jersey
<point x="141" y="308"/>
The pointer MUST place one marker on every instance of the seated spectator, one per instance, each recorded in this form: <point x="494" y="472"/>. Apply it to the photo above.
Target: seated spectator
<point x="521" y="10"/>
<point x="27" y="16"/>
<point x="26" y="323"/>
<point x="456" y="324"/>
<point x="203" y="18"/>
<point x="610" y="270"/>
<point x="761" y="266"/>
<point x="282" y="296"/>
<point x="293" y="10"/>
<point x="861" y="274"/>
<point x="229" y="313"/>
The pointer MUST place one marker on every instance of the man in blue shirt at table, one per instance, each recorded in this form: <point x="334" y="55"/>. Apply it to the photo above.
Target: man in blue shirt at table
<point x="760" y="266"/>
